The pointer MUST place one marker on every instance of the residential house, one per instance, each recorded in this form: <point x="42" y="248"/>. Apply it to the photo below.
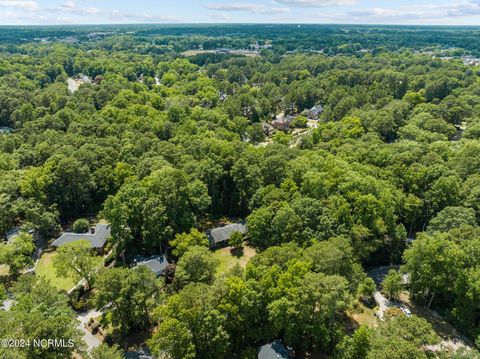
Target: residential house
<point x="84" y="78"/>
<point x="157" y="264"/>
<point x="219" y="236"/>
<point x="274" y="350"/>
<point x="14" y="233"/>
<point x="315" y="112"/>
<point x="97" y="237"/>
<point x="282" y="122"/>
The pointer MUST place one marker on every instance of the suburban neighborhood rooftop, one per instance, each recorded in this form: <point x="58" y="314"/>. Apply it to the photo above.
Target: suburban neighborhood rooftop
<point x="96" y="239"/>
<point x="222" y="234"/>
<point x="156" y="264"/>
<point x="274" y="350"/>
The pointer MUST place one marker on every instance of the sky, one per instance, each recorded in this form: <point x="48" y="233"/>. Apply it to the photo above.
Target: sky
<point x="419" y="12"/>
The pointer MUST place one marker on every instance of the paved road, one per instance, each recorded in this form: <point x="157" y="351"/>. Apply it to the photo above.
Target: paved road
<point x="89" y="338"/>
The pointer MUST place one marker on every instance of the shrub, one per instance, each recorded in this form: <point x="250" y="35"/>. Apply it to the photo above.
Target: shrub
<point x="81" y="225"/>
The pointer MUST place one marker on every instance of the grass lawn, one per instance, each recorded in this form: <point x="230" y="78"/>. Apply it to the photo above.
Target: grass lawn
<point x="363" y="316"/>
<point x="45" y="268"/>
<point x="228" y="261"/>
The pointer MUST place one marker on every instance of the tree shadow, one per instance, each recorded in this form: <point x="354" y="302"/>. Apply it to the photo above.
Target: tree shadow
<point x="236" y="252"/>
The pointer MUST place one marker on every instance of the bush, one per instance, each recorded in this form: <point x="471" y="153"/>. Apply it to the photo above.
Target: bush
<point x="236" y="240"/>
<point x="299" y="122"/>
<point x="81" y="225"/>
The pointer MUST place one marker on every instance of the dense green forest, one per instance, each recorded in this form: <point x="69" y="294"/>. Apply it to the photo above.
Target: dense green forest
<point x="164" y="146"/>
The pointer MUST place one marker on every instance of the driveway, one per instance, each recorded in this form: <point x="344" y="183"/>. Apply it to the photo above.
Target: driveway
<point x="89" y="338"/>
<point x="383" y="303"/>
<point x="451" y="339"/>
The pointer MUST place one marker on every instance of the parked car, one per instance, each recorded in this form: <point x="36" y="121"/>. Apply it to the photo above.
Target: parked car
<point x="406" y="311"/>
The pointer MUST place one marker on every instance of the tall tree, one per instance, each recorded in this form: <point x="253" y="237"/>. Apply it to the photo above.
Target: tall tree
<point x="77" y="260"/>
<point x="17" y="253"/>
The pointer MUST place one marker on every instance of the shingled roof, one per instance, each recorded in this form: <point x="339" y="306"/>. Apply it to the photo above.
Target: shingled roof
<point x="274" y="350"/>
<point x="157" y="264"/>
<point x="97" y="239"/>
<point x="222" y="234"/>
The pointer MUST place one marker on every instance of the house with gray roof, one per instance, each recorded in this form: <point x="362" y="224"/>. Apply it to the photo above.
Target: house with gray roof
<point x="219" y="236"/>
<point x="157" y="264"/>
<point x="274" y="350"/>
<point x="315" y="112"/>
<point x="97" y="237"/>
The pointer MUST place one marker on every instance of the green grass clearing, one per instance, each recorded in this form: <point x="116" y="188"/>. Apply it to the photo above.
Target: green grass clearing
<point x="364" y="316"/>
<point x="228" y="261"/>
<point x="4" y="270"/>
<point x="46" y="269"/>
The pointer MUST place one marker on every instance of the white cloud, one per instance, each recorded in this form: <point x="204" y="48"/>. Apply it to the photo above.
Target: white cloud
<point x="69" y="12"/>
<point x="316" y="3"/>
<point x="220" y="17"/>
<point x="23" y="5"/>
<point x="248" y="7"/>
<point x="428" y="12"/>
<point x="68" y="5"/>
<point x="120" y="16"/>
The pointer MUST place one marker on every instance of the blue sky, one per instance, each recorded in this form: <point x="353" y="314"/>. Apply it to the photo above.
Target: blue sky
<point x="428" y="12"/>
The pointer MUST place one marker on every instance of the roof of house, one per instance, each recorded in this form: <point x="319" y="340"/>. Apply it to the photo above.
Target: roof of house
<point x="317" y="108"/>
<point x="156" y="264"/>
<point x="222" y="234"/>
<point x="12" y="233"/>
<point x="273" y="350"/>
<point x="283" y="120"/>
<point x="97" y="239"/>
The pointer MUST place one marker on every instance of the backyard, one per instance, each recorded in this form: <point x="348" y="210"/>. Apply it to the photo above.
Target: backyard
<point x="45" y="268"/>
<point x="228" y="259"/>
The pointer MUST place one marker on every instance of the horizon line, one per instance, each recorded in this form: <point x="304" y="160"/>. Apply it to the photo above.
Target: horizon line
<point x="236" y="23"/>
